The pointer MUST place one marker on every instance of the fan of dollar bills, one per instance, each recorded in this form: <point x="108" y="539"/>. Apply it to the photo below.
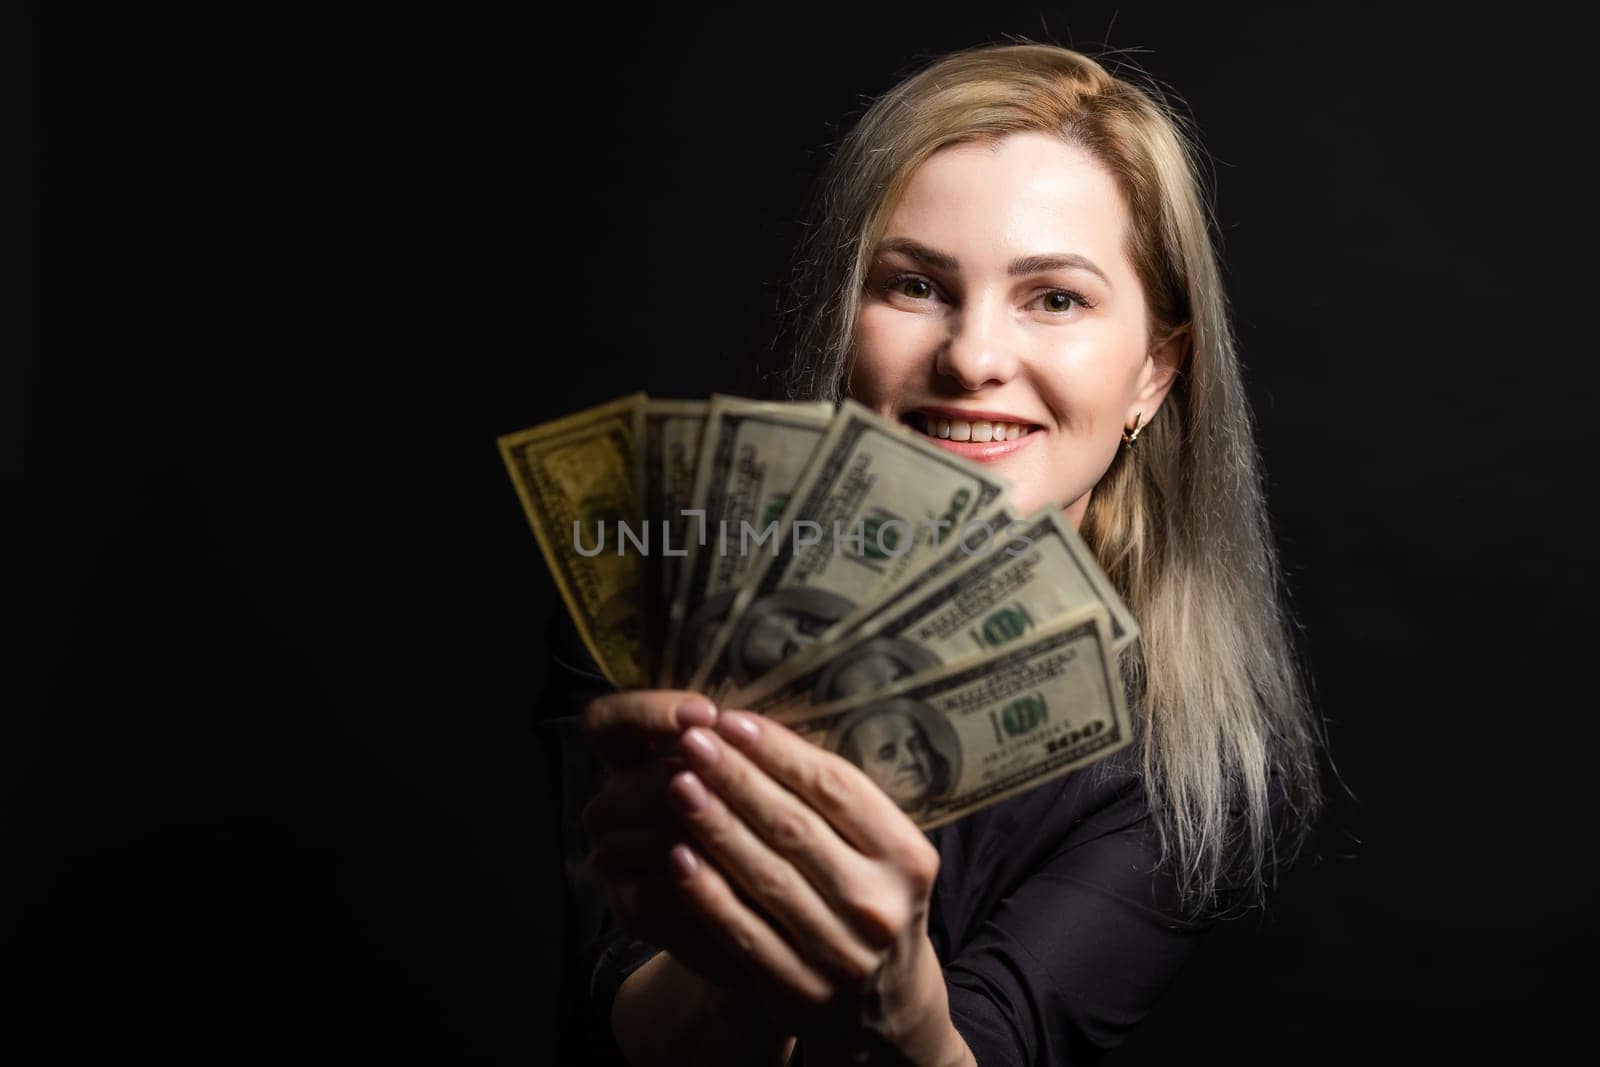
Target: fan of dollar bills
<point x="840" y="573"/>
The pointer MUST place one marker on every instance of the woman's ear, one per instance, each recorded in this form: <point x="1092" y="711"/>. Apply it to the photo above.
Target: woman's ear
<point x="1167" y="360"/>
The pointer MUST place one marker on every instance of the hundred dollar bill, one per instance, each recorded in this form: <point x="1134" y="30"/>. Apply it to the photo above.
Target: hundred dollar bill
<point x="751" y="456"/>
<point x="575" y="477"/>
<point x="1033" y="574"/>
<point x="975" y="538"/>
<point x="969" y="735"/>
<point x="667" y="448"/>
<point x="866" y="516"/>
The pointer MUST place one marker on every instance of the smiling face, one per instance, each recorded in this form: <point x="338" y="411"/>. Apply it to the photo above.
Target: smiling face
<point x="1003" y="318"/>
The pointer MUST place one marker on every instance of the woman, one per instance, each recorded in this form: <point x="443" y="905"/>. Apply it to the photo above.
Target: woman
<point x="1009" y="253"/>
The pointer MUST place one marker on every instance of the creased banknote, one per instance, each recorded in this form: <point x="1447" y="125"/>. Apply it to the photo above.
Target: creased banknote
<point x="667" y="449"/>
<point x="966" y="736"/>
<point x="575" y="478"/>
<point x="1031" y="575"/>
<point x="873" y="508"/>
<point x="752" y="455"/>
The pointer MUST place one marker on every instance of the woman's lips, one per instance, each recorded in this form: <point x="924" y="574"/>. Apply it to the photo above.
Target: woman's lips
<point x="984" y="452"/>
<point x="926" y="424"/>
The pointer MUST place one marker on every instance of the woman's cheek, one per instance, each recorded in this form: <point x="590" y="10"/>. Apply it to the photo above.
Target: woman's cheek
<point x="1085" y="392"/>
<point x="884" y="354"/>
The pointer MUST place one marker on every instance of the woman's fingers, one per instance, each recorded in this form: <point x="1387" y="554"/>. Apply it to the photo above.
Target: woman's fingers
<point x="626" y="728"/>
<point x="773" y="883"/>
<point x="743" y="934"/>
<point x="876" y="907"/>
<point x="851" y="802"/>
<point x="653" y="909"/>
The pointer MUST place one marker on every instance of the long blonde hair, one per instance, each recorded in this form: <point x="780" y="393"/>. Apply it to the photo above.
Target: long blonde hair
<point x="1225" y="728"/>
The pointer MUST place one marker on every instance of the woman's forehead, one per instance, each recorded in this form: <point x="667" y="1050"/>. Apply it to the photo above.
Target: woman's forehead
<point x="988" y="203"/>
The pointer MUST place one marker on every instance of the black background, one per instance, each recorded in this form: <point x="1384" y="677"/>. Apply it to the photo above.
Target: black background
<point x="272" y="784"/>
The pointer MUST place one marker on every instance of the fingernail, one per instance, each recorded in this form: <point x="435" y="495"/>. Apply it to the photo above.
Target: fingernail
<point x="683" y="861"/>
<point x="688" y="792"/>
<point x="694" y="713"/>
<point x="739" y="727"/>
<point x="699" y="747"/>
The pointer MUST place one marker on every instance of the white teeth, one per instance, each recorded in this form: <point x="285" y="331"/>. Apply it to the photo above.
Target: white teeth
<point x="978" y="430"/>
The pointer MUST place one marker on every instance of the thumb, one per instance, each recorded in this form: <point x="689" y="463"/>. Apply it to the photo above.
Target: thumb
<point x="625" y="728"/>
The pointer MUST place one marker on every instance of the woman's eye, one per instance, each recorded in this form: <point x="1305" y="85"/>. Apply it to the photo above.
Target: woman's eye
<point x="912" y="286"/>
<point x="1055" y="301"/>
<point x="1059" y="301"/>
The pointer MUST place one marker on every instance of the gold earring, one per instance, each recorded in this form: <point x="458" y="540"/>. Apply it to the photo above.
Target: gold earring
<point x="1133" y="438"/>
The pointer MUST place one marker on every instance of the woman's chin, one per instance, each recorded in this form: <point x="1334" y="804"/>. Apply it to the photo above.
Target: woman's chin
<point x="1026" y="498"/>
<point x="1030" y="494"/>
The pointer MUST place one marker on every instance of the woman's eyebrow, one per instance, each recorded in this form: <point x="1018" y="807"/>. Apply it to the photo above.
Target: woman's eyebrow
<point x="1024" y="265"/>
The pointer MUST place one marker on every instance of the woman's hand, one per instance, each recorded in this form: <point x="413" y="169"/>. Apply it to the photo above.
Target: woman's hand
<point x="632" y="829"/>
<point x="810" y="916"/>
<point x="676" y="1008"/>
<point x="820" y="883"/>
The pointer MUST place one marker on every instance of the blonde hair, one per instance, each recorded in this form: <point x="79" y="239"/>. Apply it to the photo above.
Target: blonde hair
<point x="1179" y="524"/>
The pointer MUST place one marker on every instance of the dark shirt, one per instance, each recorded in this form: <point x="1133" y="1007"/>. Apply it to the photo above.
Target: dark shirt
<point x="1055" y="927"/>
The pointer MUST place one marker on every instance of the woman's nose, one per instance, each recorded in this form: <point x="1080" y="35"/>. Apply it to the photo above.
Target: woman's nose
<point x="980" y="349"/>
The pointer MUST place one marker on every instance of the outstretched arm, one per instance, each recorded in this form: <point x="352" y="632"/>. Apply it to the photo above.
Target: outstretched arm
<point x="796" y="885"/>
